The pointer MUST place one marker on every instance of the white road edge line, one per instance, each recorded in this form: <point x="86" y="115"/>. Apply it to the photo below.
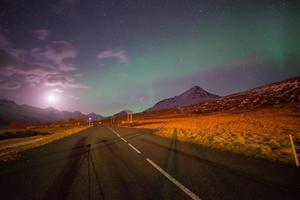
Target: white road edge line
<point x="123" y="139"/>
<point x="134" y="148"/>
<point x="173" y="180"/>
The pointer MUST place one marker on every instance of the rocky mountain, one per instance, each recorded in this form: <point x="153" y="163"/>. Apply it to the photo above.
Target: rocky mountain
<point x="10" y="111"/>
<point x="122" y="113"/>
<point x="95" y="116"/>
<point x="271" y="95"/>
<point x="191" y="96"/>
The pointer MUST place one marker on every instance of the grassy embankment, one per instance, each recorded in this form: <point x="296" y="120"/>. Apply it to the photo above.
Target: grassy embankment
<point x="39" y="136"/>
<point x="262" y="133"/>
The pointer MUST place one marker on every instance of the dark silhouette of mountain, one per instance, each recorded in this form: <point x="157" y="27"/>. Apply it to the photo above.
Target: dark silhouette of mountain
<point x="192" y="96"/>
<point x="10" y="111"/>
<point x="94" y="116"/>
<point x="122" y="113"/>
<point x="271" y="95"/>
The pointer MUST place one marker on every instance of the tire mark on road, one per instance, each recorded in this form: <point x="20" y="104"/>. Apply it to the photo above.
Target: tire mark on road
<point x="61" y="186"/>
<point x="91" y="160"/>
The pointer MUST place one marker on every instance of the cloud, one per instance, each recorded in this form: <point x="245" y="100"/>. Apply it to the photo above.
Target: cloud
<point x="41" y="34"/>
<point x="49" y="66"/>
<point x="58" y="51"/>
<point x="74" y="97"/>
<point x="11" y="65"/>
<point x="14" y="66"/>
<point x="56" y="90"/>
<point x="120" y="55"/>
<point x="57" y="54"/>
<point x="10" y="85"/>
<point x="63" y="82"/>
<point x="56" y="79"/>
<point x="66" y="66"/>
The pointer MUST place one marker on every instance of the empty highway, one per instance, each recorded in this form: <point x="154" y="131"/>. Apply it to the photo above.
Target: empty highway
<point x="110" y="162"/>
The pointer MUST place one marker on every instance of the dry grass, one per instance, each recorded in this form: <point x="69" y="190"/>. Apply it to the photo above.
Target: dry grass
<point x="56" y="133"/>
<point x="261" y="133"/>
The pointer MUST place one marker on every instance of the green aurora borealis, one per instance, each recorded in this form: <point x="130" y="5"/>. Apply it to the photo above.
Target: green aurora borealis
<point x="130" y="54"/>
<point x="273" y="39"/>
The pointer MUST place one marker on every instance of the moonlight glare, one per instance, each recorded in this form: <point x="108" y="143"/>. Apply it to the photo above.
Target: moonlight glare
<point x="93" y="60"/>
<point x="51" y="99"/>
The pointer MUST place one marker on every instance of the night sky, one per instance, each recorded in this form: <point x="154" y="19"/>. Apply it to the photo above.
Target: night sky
<point x="105" y="55"/>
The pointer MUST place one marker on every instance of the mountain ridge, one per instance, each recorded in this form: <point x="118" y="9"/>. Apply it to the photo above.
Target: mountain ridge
<point x="95" y="116"/>
<point x="122" y="113"/>
<point x="191" y="96"/>
<point x="272" y="94"/>
<point x="11" y="111"/>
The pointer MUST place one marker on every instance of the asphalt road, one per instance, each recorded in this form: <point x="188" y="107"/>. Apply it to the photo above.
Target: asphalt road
<point x="125" y="163"/>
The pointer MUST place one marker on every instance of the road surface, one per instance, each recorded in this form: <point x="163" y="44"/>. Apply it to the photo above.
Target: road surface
<point x="125" y="163"/>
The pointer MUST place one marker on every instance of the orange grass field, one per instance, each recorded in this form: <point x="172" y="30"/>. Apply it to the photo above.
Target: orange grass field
<point x="261" y="133"/>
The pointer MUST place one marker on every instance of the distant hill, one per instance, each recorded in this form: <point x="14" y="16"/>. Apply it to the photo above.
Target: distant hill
<point x="275" y="95"/>
<point x="122" y="113"/>
<point x="191" y="96"/>
<point x="95" y="116"/>
<point x="10" y="111"/>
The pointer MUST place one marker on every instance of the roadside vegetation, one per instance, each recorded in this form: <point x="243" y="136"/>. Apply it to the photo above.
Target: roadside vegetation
<point x="20" y="133"/>
<point x="261" y="133"/>
<point x="39" y="135"/>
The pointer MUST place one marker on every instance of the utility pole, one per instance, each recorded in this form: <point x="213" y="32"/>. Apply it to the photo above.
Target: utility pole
<point x="90" y="121"/>
<point x="129" y="117"/>
<point x="294" y="151"/>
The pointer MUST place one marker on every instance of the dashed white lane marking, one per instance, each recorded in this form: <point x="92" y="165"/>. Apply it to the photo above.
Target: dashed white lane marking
<point x="173" y="180"/>
<point x="134" y="148"/>
<point x="113" y="130"/>
<point x="116" y="133"/>
<point x="163" y="172"/>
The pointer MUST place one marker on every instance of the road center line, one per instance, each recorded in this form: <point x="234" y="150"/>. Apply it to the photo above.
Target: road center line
<point x="112" y="130"/>
<point x="134" y="148"/>
<point x="117" y="134"/>
<point x="173" y="180"/>
<point x="163" y="172"/>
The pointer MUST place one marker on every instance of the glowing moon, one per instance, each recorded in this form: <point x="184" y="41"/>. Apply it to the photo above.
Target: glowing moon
<point x="51" y="98"/>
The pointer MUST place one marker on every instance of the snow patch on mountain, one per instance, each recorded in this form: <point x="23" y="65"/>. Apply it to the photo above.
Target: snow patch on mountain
<point x="191" y="96"/>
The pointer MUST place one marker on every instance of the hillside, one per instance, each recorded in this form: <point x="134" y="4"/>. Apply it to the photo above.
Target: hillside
<point x="10" y="111"/>
<point x="191" y="96"/>
<point x="94" y="116"/>
<point x="271" y="95"/>
<point x="256" y="122"/>
<point x="122" y="113"/>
